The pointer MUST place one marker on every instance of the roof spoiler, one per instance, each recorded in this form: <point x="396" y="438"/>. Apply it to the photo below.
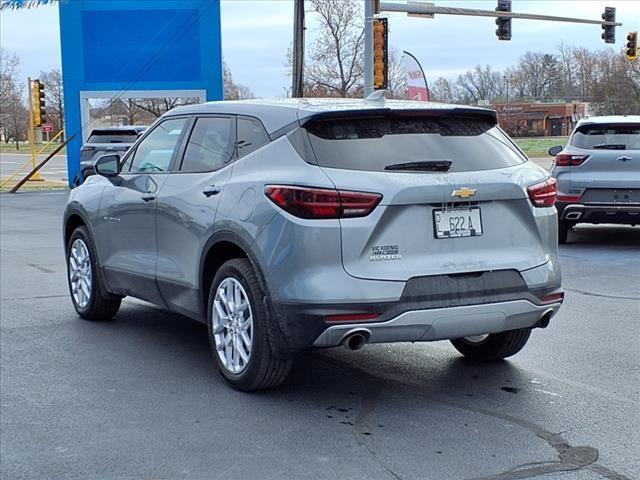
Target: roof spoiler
<point x="484" y="114"/>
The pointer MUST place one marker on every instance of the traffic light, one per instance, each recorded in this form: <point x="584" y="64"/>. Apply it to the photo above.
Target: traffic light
<point x="39" y="112"/>
<point x="380" y="54"/>
<point x="631" y="48"/>
<point x="609" y="31"/>
<point x="504" y="24"/>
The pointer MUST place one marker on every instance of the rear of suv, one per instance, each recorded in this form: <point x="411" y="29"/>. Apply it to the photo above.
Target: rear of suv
<point x="598" y="173"/>
<point x="106" y="140"/>
<point x="315" y="223"/>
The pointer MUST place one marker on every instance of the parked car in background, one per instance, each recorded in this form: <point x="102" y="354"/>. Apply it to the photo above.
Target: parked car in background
<point x="598" y="173"/>
<point x="106" y="140"/>
<point x="313" y="223"/>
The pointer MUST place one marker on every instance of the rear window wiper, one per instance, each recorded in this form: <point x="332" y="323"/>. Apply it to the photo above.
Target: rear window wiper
<point x="610" y="146"/>
<point x="432" y="166"/>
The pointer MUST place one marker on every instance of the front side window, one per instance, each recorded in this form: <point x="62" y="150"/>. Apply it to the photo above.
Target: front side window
<point x="210" y="146"/>
<point x="156" y="150"/>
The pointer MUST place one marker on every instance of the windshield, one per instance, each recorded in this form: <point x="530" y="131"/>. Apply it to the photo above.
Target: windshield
<point x="384" y="143"/>
<point x="607" y="137"/>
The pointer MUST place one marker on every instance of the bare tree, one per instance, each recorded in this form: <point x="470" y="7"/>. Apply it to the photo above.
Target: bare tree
<point x="586" y="64"/>
<point x="54" y="99"/>
<point x="397" y="76"/>
<point x="233" y="90"/>
<point x="481" y="83"/>
<point x="442" y="90"/>
<point x="13" y="113"/>
<point x="539" y="72"/>
<point x="159" y="106"/>
<point x="336" y="56"/>
<point x="567" y="63"/>
<point x="517" y="83"/>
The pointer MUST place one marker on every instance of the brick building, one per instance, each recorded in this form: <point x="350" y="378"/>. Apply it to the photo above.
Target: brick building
<point x="540" y="119"/>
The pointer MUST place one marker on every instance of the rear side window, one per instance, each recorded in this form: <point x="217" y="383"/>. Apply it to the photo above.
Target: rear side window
<point x="210" y="146"/>
<point x="109" y="136"/>
<point x="372" y="144"/>
<point x="251" y="135"/>
<point x="607" y="137"/>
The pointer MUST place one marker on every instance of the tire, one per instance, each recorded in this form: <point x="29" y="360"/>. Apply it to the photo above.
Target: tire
<point x="260" y="368"/>
<point x="495" y="346"/>
<point x="563" y="231"/>
<point x="97" y="305"/>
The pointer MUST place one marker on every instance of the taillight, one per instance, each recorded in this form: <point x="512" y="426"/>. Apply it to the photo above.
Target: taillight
<point x="553" y="298"/>
<point x="319" y="203"/>
<point x="569" y="160"/>
<point x="543" y="194"/>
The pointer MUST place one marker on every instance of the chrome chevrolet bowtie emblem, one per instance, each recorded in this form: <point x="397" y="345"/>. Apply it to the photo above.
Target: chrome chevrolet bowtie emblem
<point x="464" y="192"/>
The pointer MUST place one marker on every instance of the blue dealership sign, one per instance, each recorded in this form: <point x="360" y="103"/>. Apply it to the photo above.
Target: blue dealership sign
<point x="135" y="48"/>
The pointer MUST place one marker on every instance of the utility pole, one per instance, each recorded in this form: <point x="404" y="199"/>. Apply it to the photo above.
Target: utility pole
<point x="297" y="87"/>
<point x="370" y="8"/>
<point x="507" y="79"/>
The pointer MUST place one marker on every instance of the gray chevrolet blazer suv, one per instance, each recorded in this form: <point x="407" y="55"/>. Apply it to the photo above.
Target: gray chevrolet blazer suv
<point x="297" y="224"/>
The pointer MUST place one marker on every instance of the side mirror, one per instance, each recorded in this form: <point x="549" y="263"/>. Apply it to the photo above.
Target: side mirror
<point x="553" y="151"/>
<point x="108" y="165"/>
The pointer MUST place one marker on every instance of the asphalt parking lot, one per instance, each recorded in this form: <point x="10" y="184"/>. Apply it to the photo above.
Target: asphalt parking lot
<point x="139" y="398"/>
<point x="54" y="169"/>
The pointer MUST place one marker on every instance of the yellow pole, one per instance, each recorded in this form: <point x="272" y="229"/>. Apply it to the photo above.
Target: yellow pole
<point x="32" y="132"/>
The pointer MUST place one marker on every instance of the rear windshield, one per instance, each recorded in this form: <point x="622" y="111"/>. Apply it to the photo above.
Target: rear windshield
<point x="109" y="136"/>
<point x="377" y="143"/>
<point x="607" y="137"/>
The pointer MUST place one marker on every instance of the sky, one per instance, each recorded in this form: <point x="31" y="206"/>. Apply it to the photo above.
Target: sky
<point x="257" y="33"/>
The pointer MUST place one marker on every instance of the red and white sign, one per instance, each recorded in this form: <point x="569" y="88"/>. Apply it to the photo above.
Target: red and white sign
<point x="47" y="127"/>
<point x="416" y="81"/>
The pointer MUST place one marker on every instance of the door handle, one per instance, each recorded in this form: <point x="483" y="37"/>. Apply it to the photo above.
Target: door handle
<point x="147" y="197"/>
<point x="211" y="190"/>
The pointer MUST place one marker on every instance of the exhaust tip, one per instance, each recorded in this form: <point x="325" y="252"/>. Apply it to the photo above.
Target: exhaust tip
<point x="573" y="215"/>
<point x="355" y="341"/>
<point x="545" y="319"/>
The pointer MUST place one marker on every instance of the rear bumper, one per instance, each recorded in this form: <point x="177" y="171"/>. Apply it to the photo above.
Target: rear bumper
<point x="445" y="323"/>
<point x="599" y="213"/>
<point x="481" y="302"/>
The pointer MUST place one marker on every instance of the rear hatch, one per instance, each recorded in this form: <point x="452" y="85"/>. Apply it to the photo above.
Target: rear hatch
<point x="103" y="141"/>
<point x="454" y="193"/>
<point x="610" y="169"/>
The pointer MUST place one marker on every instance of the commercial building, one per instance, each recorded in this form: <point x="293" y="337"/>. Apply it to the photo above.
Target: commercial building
<point x="540" y="119"/>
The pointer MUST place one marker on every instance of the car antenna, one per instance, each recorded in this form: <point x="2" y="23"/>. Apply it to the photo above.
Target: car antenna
<point x="377" y="96"/>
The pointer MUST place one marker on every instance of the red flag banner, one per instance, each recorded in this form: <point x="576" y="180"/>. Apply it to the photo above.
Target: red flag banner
<point x="416" y="81"/>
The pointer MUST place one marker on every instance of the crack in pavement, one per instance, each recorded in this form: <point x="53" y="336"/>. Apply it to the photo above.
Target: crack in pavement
<point x="602" y="295"/>
<point x="41" y="268"/>
<point x="571" y="458"/>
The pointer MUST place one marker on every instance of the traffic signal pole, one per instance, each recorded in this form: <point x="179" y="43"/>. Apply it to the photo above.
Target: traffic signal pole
<point x="32" y="132"/>
<point x="429" y="10"/>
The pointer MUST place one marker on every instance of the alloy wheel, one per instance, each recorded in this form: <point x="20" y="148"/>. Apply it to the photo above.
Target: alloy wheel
<point x="232" y="322"/>
<point x="80" y="273"/>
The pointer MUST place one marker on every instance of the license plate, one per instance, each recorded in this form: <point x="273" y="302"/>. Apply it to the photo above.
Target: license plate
<point x="457" y="222"/>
